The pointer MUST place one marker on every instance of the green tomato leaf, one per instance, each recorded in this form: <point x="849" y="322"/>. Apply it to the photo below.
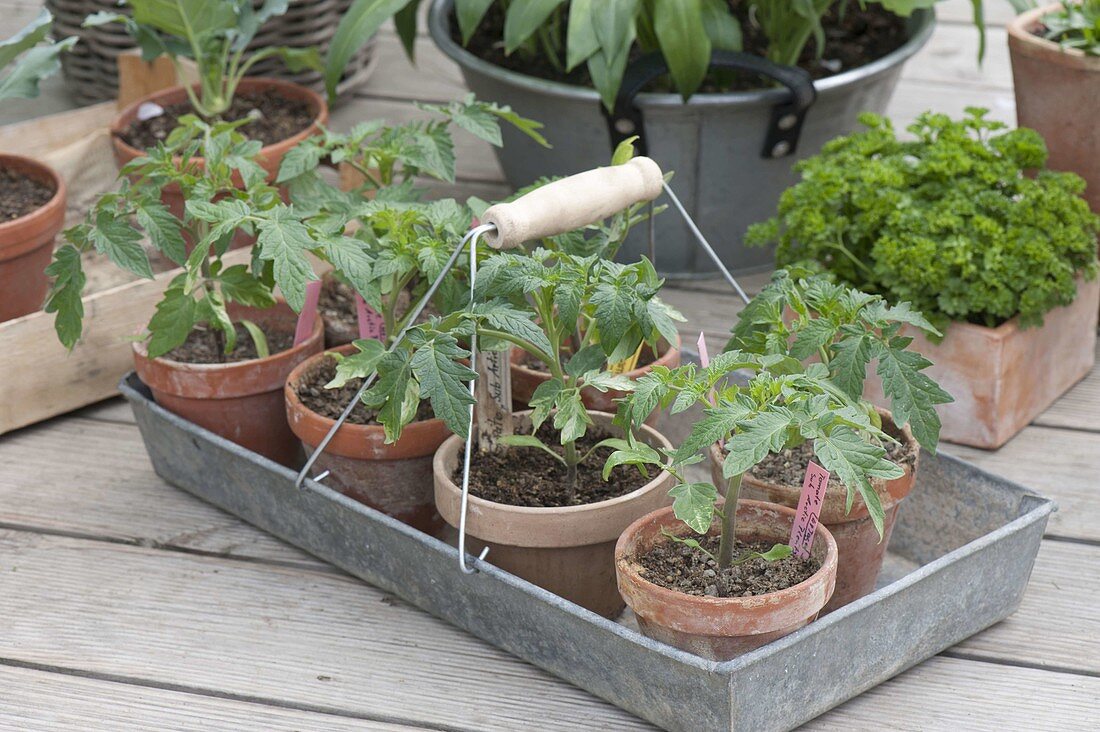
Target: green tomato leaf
<point x="854" y="461"/>
<point x="443" y="379"/>
<point x="913" y="396"/>
<point x="358" y="365"/>
<point x="163" y="230"/>
<point x="284" y="241"/>
<point x="543" y="400"/>
<point x="65" y="294"/>
<point x="693" y="503"/>
<point x="589" y="358"/>
<point x="176" y="316"/>
<point x="849" y="364"/>
<point x="241" y="286"/>
<point x="114" y="236"/>
<point x="777" y="552"/>
<point x="756" y="437"/>
<point x="571" y="418"/>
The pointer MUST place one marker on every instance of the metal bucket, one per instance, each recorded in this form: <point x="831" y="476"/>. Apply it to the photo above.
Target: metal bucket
<point x="712" y="142"/>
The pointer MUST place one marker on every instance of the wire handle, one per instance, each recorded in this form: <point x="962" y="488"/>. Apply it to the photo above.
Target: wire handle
<point x="573" y="202"/>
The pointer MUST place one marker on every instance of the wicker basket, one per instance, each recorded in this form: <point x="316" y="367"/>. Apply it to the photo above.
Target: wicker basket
<point x="92" y="76"/>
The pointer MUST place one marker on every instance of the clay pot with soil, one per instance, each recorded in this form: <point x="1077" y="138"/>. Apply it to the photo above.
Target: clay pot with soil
<point x="528" y="372"/>
<point x="286" y="113"/>
<point x="778" y="479"/>
<point x="32" y="211"/>
<point x="395" y="479"/>
<point x="1058" y="95"/>
<point x="240" y="398"/>
<point x="518" y="508"/>
<point x="721" y="615"/>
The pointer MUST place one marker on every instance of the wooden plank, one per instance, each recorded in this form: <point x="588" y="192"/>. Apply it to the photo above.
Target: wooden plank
<point x="115" y="409"/>
<point x="951" y="694"/>
<point x="1078" y="408"/>
<point x="951" y="56"/>
<point x="41" y="700"/>
<point x="42" y="379"/>
<point x="962" y="11"/>
<point x="1059" y="463"/>
<point x="299" y="637"/>
<point x="93" y="479"/>
<point x="914" y="97"/>
<point x="1057" y="624"/>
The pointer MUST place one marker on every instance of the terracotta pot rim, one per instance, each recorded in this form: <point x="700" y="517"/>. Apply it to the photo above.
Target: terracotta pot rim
<point x="627" y="567"/>
<point x="295" y="402"/>
<point x="1021" y="38"/>
<point x="666" y="356"/>
<point x="550" y="510"/>
<point x="124" y="117"/>
<point x="47" y="210"/>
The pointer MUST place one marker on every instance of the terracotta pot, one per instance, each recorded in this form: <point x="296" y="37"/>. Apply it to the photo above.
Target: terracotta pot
<point x="525" y="380"/>
<point x="270" y="157"/>
<point x="1003" y="378"/>
<point x="721" y="628"/>
<point x="243" y="401"/>
<point x="568" y="551"/>
<point x="394" y="479"/>
<point x="1058" y="95"/>
<point x="861" y="552"/>
<point x="26" y="243"/>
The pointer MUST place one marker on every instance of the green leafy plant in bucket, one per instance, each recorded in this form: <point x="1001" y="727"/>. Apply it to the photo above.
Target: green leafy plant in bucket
<point x="213" y="33"/>
<point x="215" y="211"/>
<point x="31" y="57"/>
<point x="783" y="405"/>
<point x="950" y="221"/>
<point x="810" y="317"/>
<point x="603" y="35"/>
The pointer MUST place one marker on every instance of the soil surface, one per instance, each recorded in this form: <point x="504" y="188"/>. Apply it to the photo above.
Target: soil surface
<point x="332" y="402"/>
<point x="645" y="358"/>
<point x="526" y="476"/>
<point x="276" y="119"/>
<point x="789" y="466"/>
<point x="202" y="346"/>
<point x="852" y="39"/>
<point x="20" y="195"/>
<point x="688" y="570"/>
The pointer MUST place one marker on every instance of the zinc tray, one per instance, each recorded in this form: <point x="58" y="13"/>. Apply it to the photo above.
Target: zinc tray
<point x="961" y="552"/>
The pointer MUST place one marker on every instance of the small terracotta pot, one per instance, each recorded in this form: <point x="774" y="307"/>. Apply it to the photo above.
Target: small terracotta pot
<point x="568" y="551"/>
<point x="721" y="628"/>
<point x="242" y="401"/>
<point x="270" y="157"/>
<point x="1058" y="95"/>
<point x="861" y="552"/>
<point x="394" y="479"/>
<point x="26" y="243"/>
<point x="525" y="380"/>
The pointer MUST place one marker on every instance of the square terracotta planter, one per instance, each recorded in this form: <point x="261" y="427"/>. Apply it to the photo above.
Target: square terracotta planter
<point x="1004" y="377"/>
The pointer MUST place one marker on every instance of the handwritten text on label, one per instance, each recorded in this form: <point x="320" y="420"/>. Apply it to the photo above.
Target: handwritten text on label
<point x="809" y="508"/>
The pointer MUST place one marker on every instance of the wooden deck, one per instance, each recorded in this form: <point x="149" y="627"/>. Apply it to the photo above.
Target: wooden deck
<point x="126" y="604"/>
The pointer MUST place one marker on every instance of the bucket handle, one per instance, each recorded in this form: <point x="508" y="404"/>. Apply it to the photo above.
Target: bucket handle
<point x="787" y="116"/>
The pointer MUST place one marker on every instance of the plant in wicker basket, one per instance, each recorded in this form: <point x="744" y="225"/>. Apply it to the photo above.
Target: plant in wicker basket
<point x="215" y="34"/>
<point x="31" y="57"/>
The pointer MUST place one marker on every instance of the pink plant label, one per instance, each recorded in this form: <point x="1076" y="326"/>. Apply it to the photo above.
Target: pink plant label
<point x="704" y="357"/>
<point x="371" y="324"/>
<point x="809" y="508"/>
<point x="308" y="316"/>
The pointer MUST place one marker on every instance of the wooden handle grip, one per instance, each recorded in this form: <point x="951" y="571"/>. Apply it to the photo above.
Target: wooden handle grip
<point x="572" y="202"/>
